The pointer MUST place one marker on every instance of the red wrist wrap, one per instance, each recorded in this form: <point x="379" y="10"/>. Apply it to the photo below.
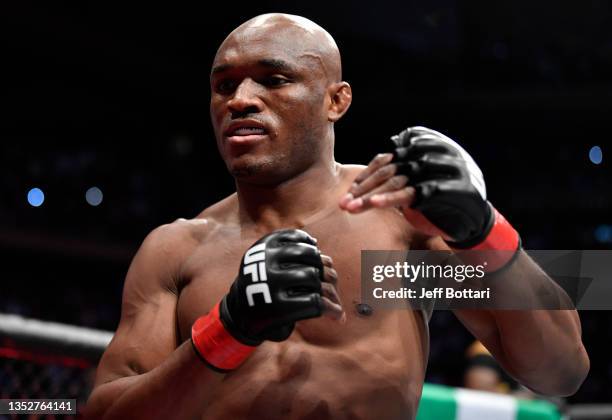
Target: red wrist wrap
<point x="502" y="237"/>
<point x="215" y="344"/>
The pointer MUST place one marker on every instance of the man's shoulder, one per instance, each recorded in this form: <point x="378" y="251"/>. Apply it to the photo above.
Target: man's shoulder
<point x="184" y="233"/>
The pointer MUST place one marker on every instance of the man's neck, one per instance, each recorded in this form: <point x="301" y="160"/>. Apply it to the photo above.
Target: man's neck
<point x="291" y="203"/>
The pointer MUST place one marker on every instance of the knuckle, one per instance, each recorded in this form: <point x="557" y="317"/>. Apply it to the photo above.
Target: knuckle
<point x="385" y="171"/>
<point x="327" y="288"/>
<point x="388" y="170"/>
<point x="398" y="181"/>
<point x="357" y="191"/>
<point x="331" y="274"/>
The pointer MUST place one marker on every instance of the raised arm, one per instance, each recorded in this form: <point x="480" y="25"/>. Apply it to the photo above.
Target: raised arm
<point x="542" y="349"/>
<point x="441" y="191"/>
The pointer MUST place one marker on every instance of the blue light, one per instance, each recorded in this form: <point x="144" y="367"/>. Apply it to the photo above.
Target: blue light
<point x="94" y="196"/>
<point x="603" y="234"/>
<point x="596" y="155"/>
<point x="36" y="197"/>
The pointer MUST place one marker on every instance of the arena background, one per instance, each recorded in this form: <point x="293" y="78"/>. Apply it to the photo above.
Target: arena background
<point x="115" y="96"/>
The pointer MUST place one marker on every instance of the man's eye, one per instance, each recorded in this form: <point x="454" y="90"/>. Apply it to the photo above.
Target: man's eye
<point x="225" y="86"/>
<point x="275" y="81"/>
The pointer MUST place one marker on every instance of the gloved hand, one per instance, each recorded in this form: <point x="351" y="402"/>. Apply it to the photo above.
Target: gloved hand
<point x="441" y="191"/>
<point x="279" y="282"/>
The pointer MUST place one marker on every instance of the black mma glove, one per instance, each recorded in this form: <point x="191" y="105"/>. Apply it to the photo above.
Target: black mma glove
<point x="279" y="283"/>
<point x="451" y="192"/>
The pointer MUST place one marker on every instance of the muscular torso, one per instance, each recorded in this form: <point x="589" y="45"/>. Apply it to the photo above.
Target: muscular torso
<point x="372" y="366"/>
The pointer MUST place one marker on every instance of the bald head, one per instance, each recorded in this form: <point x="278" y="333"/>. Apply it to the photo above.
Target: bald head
<point x="281" y="74"/>
<point x="299" y="36"/>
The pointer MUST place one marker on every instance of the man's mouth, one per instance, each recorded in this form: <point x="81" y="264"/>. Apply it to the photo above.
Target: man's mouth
<point x="247" y="131"/>
<point x="244" y="132"/>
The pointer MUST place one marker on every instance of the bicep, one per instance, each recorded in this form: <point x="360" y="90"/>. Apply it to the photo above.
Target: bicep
<point x="147" y="331"/>
<point x="142" y="341"/>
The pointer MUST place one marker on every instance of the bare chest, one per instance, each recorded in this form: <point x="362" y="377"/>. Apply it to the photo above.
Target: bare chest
<point x="213" y="266"/>
<point x="370" y="366"/>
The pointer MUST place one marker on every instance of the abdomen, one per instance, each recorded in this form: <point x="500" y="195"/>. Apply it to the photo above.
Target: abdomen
<point x="375" y="375"/>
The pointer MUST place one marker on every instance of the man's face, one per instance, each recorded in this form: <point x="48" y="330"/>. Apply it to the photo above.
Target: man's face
<point x="268" y="104"/>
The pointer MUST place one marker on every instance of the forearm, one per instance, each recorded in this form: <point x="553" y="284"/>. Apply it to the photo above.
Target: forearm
<point x="542" y="348"/>
<point x="441" y="192"/>
<point x="179" y="388"/>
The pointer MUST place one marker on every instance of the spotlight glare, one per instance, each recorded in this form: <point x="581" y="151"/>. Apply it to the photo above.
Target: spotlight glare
<point x="94" y="196"/>
<point x="596" y="155"/>
<point x="36" y="197"/>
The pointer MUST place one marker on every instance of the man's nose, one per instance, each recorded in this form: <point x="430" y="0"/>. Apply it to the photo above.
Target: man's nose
<point x="245" y="99"/>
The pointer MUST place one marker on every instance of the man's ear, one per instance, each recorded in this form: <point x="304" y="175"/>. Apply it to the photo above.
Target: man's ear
<point x="341" y="97"/>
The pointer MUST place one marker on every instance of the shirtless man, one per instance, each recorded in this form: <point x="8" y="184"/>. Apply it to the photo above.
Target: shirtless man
<point x="238" y="314"/>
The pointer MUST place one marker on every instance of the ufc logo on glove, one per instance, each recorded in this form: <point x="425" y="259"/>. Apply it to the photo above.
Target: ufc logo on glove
<point x="255" y="266"/>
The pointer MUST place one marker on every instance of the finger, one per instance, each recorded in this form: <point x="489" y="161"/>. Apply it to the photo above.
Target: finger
<point x="330" y="275"/>
<point x="300" y="279"/>
<point x="426" y="144"/>
<point x="299" y="254"/>
<point x="332" y="310"/>
<point x="403" y="198"/>
<point x="380" y="176"/>
<point x="363" y="203"/>
<point x="437" y="166"/>
<point x="379" y="161"/>
<point x="402" y="139"/>
<point x="327" y="260"/>
<point x="328" y="290"/>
